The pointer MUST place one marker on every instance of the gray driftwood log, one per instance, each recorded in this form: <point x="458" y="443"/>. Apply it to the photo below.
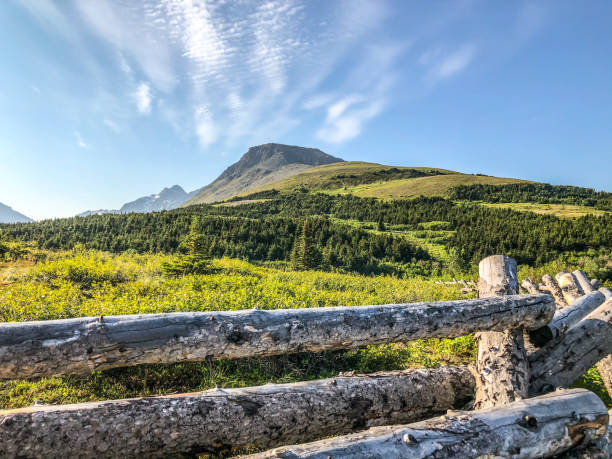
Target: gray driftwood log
<point x="583" y="281"/>
<point x="215" y="420"/>
<point x="570" y="287"/>
<point x="554" y="289"/>
<point x="606" y="292"/>
<point x="604" y="367"/>
<point x="502" y="365"/>
<point x="530" y="286"/>
<point x="560" y="363"/>
<point x="566" y="318"/>
<point x="80" y="346"/>
<point x="537" y="427"/>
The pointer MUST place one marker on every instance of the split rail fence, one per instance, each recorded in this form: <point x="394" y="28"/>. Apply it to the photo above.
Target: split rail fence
<point x="513" y="403"/>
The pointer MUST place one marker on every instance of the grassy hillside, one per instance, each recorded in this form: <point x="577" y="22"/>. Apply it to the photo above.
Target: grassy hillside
<point x="341" y="178"/>
<point x="558" y="210"/>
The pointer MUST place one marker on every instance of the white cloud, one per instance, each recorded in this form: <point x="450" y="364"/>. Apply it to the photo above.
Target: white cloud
<point x="112" y="125"/>
<point x="80" y="142"/>
<point x="318" y="100"/>
<point x="205" y="127"/>
<point x="143" y="98"/>
<point x="443" y="65"/>
<point x="347" y="117"/>
<point x="123" y="25"/>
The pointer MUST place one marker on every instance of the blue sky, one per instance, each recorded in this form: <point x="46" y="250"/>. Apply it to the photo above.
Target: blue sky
<point x="103" y="101"/>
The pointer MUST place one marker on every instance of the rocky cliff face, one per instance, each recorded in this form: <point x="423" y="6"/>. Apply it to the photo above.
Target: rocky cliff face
<point x="261" y="165"/>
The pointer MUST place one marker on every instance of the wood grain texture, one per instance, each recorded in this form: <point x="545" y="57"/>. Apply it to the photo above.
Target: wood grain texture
<point x="217" y="420"/>
<point x="560" y="363"/>
<point x="554" y="289"/>
<point x="502" y="368"/>
<point x="539" y="427"/>
<point x="81" y="346"/>
<point x="566" y="318"/>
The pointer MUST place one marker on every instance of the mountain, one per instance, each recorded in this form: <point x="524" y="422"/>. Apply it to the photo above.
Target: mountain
<point x="259" y="166"/>
<point x="379" y="181"/>
<point x="166" y="199"/>
<point x="8" y="215"/>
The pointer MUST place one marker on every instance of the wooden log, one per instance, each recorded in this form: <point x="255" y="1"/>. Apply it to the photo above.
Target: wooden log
<point x="544" y="289"/>
<point x="607" y="292"/>
<point x="502" y="364"/>
<point x="559" y="364"/>
<point x="217" y="420"/>
<point x="583" y="281"/>
<point x="604" y="367"/>
<point x="538" y="427"/>
<point x="554" y="289"/>
<point x="566" y="318"/>
<point x="569" y="286"/>
<point x="530" y="286"/>
<point x="80" y="346"/>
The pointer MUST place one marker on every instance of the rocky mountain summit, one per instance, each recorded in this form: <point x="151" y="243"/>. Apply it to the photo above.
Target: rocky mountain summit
<point x="261" y="165"/>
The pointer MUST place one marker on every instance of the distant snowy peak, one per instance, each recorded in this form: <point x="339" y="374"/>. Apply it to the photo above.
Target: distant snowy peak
<point x="8" y="215"/>
<point x="166" y="199"/>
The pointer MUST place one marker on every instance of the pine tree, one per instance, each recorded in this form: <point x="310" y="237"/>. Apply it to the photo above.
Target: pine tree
<point x="306" y="254"/>
<point x="4" y="249"/>
<point x="195" y="258"/>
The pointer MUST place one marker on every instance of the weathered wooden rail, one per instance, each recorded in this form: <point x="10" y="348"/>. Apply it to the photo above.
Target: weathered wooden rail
<point x="528" y="346"/>
<point x="81" y="346"/>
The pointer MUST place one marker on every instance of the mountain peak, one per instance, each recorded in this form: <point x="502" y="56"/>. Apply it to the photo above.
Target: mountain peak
<point x="261" y="164"/>
<point x="8" y="215"/>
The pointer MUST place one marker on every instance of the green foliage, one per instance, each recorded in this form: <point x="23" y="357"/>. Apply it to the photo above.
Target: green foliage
<point x="306" y="254"/>
<point x="129" y="283"/>
<point x="533" y="192"/>
<point x="3" y="246"/>
<point x="265" y="231"/>
<point x="195" y="259"/>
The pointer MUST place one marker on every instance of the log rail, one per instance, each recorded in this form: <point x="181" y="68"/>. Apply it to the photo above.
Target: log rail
<point x="528" y="347"/>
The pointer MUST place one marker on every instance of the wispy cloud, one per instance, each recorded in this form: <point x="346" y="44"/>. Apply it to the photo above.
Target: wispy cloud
<point x="143" y="97"/>
<point x="346" y="118"/>
<point x="112" y="125"/>
<point x="442" y="65"/>
<point x="80" y="142"/>
<point x="239" y="70"/>
<point x="205" y="127"/>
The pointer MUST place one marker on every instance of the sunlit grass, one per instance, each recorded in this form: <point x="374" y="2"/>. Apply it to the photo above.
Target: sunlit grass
<point x="91" y="283"/>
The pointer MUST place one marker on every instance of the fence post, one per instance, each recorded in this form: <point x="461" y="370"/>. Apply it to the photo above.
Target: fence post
<point x="502" y="366"/>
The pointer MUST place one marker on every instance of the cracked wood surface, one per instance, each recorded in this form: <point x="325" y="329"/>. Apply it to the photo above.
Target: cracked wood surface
<point x="81" y="346"/>
<point x="566" y="318"/>
<point x="502" y="367"/>
<point x="559" y="364"/>
<point x="218" y="419"/>
<point x="539" y="427"/>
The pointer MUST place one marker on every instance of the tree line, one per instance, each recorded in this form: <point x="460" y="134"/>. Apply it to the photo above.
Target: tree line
<point x="542" y="193"/>
<point x="268" y="230"/>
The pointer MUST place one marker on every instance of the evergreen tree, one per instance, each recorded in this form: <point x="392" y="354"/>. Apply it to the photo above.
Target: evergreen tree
<point x="4" y="249"/>
<point x="306" y="254"/>
<point x="195" y="258"/>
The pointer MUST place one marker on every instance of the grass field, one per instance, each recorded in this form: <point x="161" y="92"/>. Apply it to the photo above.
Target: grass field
<point x="317" y="177"/>
<point x="436" y="185"/>
<point x="91" y="283"/>
<point x="559" y="210"/>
